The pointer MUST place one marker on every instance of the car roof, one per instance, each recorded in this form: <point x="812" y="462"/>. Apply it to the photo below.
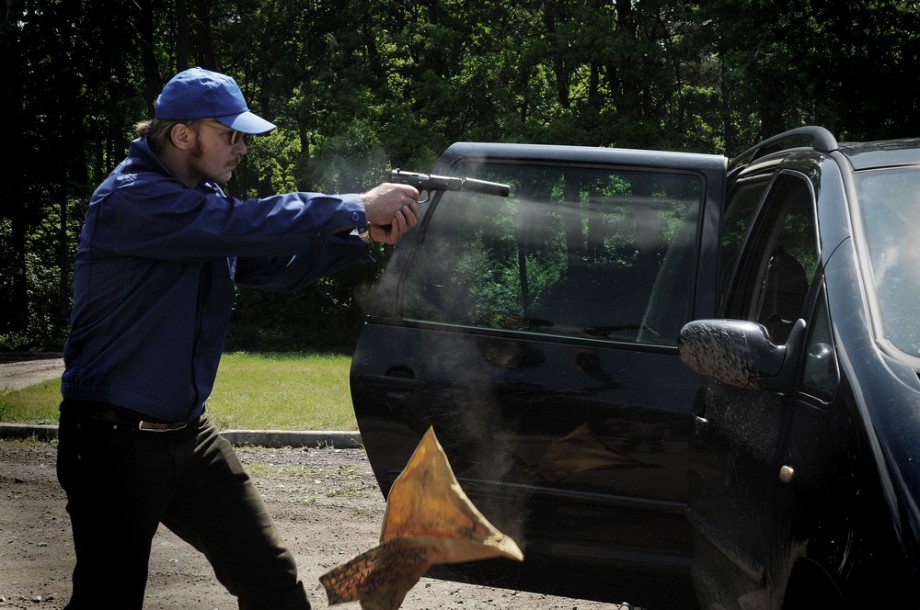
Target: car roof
<point x="882" y="153"/>
<point x="581" y="154"/>
<point x="862" y="155"/>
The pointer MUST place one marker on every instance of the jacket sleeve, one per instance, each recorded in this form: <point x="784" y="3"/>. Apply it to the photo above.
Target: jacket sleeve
<point x="157" y="217"/>
<point x="285" y="274"/>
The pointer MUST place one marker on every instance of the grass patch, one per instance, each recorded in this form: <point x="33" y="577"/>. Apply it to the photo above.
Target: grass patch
<point x="258" y="470"/>
<point x="36" y="404"/>
<point x="289" y="391"/>
<point x="354" y="490"/>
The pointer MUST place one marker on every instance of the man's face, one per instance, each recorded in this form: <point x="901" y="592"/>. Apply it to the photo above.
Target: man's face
<point x="216" y="152"/>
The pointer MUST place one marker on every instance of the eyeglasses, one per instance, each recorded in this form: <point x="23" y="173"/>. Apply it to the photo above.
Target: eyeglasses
<point x="235" y="136"/>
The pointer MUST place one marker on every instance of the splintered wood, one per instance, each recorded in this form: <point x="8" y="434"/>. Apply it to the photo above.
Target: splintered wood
<point x="428" y="520"/>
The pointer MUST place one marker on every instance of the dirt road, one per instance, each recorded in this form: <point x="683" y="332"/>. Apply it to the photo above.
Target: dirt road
<point x="17" y="372"/>
<point x="325" y="502"/>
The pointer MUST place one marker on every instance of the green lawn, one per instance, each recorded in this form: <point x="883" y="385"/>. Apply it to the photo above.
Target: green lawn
<point x="252" y="392"/>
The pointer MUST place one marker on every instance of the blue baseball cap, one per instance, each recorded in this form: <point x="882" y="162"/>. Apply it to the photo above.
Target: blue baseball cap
<point x="197" y="93"/>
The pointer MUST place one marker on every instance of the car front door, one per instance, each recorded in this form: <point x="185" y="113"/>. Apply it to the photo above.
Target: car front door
<point x="741" y="506"/>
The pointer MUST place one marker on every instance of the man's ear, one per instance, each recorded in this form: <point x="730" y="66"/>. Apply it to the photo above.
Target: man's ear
<point x="181" y="136"/>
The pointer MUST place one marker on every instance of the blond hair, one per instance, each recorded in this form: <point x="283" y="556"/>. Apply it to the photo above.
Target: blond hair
<point x="157" y="131"/>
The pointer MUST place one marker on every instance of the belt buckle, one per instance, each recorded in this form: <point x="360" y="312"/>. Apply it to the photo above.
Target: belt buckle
<point x="153" y="426"/>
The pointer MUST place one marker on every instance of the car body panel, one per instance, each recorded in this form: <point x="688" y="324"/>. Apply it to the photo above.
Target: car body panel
<point x="775" y="467"/>
<point x="819" y="503"/>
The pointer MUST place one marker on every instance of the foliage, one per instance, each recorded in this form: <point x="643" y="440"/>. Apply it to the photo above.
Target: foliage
<point x="358" y="87"/>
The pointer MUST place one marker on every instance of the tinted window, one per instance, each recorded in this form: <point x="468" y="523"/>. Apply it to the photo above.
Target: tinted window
<point x="743" y="200"/>
<point x="574" y="252"/>
<point x="780" y="261"/>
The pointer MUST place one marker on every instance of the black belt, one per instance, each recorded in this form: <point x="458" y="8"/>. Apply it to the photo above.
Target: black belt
<point x="118" y="415"/>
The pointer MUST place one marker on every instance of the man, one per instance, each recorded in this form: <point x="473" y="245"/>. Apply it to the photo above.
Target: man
<point x="160" y="251"/>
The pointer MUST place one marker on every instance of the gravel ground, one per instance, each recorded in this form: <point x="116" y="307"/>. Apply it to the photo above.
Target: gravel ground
<point x="19" y="371"/>
<point x="325" y="502"/>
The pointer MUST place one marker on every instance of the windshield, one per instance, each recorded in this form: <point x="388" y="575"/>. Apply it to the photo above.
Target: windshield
<point x="890" y="213"/>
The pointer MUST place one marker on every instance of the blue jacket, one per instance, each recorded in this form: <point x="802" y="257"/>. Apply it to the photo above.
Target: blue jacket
<point x="155" y="272"/>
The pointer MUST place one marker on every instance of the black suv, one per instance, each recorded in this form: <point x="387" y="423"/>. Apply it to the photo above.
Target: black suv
<point x="671" y="379"/>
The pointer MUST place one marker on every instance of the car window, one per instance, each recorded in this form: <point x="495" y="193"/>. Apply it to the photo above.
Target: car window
<point x="573" y="251"/>
<point x="782" y="254"/>
<point x="743" y="199"/>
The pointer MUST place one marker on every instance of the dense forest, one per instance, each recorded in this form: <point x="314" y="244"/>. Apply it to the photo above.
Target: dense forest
<point x="360" y="86"/>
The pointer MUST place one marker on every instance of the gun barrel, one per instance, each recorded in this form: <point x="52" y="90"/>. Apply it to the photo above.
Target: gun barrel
<point x="486" y="187"/>
<point x="433" y="182"/>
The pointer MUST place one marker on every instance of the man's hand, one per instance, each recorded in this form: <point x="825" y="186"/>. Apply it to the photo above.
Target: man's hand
<point x="391" y="210"/>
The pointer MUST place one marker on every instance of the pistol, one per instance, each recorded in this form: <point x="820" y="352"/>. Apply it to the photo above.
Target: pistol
<point x="427" y="183"/>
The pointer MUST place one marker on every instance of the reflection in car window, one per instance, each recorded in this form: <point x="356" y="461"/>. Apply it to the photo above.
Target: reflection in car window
<point x="889" y="203"/>
<point x="742" y="205"/>
<point x="777" y="273"/>
<point x="575" y="252"/>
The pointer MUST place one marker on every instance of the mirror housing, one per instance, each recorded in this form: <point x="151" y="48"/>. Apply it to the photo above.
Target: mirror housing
<point x="740" y="353"/>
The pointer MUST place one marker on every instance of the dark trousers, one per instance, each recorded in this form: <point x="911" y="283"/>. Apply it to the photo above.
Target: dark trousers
<point x="121" y="483"/>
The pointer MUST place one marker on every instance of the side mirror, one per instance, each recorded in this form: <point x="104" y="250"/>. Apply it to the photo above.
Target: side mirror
<point x="740" y="353"/>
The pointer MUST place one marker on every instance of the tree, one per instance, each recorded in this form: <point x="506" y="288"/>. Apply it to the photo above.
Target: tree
<point x="360" y="86"/>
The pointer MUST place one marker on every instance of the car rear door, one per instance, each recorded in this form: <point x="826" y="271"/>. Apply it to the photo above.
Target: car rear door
<point x="537" y="335"/>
